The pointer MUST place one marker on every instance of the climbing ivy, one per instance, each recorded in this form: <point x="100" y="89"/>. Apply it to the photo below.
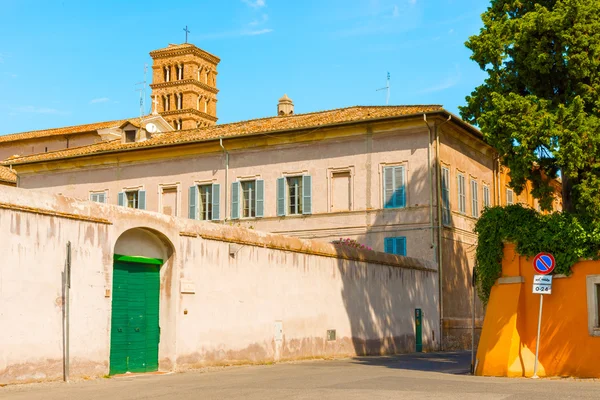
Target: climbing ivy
<point x="567" y="237"/>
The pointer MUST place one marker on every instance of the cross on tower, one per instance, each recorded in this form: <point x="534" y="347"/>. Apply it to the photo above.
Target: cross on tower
<point x="186" y="30"/>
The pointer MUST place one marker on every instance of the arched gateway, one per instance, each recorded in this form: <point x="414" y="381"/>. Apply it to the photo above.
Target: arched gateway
<point x="135" y="319"/>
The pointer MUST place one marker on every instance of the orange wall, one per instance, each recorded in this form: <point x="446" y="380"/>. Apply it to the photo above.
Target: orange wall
<point x="507" y="344"/>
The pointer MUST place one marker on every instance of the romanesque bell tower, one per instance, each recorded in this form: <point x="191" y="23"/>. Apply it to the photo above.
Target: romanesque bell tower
<point x="184" y="85"/>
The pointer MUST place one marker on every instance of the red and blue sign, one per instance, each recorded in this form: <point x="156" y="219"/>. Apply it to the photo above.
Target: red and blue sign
<point x="544" y="263"/>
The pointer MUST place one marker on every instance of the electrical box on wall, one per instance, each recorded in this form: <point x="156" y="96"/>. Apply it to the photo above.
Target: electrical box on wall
<point x="330" y="334"/>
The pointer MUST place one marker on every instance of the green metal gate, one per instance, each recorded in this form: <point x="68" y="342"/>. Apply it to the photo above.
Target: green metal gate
<point x="135" y="331"/>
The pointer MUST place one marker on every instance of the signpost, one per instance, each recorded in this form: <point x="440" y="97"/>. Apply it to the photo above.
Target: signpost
<point x="543" y="264"/>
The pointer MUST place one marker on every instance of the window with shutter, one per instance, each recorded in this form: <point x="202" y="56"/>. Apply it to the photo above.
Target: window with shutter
<point x="260" y="198"/>
<point x="280" y="197"/>
<point x="394" y="187"/>
<point x="474" y="198"/>
<point x="395" y="245"/>
<point x="486" y="196"/>
<point x="462" y="196"/>
<point x="446" y="213"/>
<point x="295" y="195"/>
<point x="509" y="197"/>
<point x="99" y="197"/>
<point x="235" y="200"/>
<point x="216" y="202"/>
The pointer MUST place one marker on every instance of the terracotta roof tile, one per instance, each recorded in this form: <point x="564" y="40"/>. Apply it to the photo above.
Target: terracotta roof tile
<point x="256" y="126"/>
<point x="67" y="130"/>
<point x="7" y="175"/>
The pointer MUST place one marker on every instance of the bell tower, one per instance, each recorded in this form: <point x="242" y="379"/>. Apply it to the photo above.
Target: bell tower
<point x="184" y="85"/>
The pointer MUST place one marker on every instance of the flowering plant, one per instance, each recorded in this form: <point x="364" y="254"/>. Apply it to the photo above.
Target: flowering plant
<point x="351" y="243"/>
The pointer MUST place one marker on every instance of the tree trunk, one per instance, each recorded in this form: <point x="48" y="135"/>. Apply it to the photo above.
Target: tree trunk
<point x="567" y="194"/>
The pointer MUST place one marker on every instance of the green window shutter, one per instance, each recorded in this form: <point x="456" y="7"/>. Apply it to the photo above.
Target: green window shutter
<point x="216" y="202"/>
<point x="235" y="200"/>
<point x="260" y="198"/>
<point x="192" y="201"/>
<point x="307" y="194"/>
<point x="400" y="246"/>
<point x="142" y="199"/>
<point x="399" y="186"/>
<point x="280" y="197"/>
<point x="121" y="199"/>
<point x="388" y="187"/>
<point x="388" y="245"/>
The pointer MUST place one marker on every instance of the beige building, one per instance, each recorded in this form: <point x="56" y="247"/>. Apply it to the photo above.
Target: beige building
<point x="408" y="180"/>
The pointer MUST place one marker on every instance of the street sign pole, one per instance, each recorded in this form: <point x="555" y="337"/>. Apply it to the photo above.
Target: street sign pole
<point x="544" y="264"/>
<point x="537" y="344"/>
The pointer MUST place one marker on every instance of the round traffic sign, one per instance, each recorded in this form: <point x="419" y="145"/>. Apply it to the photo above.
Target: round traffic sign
<point x="544" y="263"/>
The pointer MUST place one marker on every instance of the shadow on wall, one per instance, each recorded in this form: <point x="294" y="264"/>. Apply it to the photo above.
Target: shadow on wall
<point x="381" y="300"/>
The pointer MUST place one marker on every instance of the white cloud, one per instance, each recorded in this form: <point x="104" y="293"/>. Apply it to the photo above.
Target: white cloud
<point x="260" y="21"/>
<point x="256" y="32"/>
<point x="99" y="100"/>
<point x="447" y="83"/>
<point x="38" y="110"/>
<point x="451" y="31"/>
<point x="255" y="3"/>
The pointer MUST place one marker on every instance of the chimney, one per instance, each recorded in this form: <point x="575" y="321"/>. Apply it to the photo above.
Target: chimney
<point x="285" y="106"/>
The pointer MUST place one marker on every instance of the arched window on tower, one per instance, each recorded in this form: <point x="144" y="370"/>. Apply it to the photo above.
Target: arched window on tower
<point x="179" y="101"/>
<point x="206" y="105"/>
<point x="198" y="102"/>
<point x="207" y="76"/>
<point x="199" y="73"/>
<point x="178" y="126"/>
<point x="168" y="73"/>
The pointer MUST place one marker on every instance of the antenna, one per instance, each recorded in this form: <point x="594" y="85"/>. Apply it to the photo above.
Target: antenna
<point x="387" y="87"/>
<point x="142" y="91"/>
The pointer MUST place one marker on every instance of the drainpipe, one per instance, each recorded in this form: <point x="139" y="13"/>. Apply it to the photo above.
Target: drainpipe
<point x="440" y="226"/>
<point x="433" y="245"/>
<point x="226" y="176"/>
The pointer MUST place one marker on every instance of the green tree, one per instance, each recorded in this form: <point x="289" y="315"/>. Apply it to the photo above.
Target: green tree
<point x="539" y="105"/>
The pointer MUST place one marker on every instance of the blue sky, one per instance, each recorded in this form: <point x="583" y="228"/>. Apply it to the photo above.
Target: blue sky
<point x="72" y="62"/>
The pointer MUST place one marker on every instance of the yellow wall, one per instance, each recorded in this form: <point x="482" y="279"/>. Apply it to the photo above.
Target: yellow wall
<point x="507" y="344"/>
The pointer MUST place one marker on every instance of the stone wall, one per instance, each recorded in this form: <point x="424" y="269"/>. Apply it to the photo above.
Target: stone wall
<point x="223" y="291"/>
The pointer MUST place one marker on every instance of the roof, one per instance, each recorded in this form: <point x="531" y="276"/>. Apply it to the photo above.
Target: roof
<point x="7" y="175"/>
<point x="67" y="130"/>
<point x="239" y="129"/>
<point x="184" y="48"/>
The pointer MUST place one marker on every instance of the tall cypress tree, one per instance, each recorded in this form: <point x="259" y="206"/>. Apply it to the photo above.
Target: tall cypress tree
<point x="539" y="105"/>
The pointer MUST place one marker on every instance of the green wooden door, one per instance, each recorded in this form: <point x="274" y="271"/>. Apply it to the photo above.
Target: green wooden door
<point x="135" y="304"/>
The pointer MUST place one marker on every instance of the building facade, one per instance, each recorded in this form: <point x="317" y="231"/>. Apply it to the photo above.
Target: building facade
<point x="408" y="180"/>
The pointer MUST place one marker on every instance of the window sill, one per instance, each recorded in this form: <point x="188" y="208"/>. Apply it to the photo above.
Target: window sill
<point x="595" y="332"/>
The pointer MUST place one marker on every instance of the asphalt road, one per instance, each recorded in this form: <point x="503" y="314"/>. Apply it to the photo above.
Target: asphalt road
<point x="423" y="376"/>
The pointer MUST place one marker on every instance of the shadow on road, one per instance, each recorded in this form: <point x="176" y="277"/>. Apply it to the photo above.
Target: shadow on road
<point x="455" y="363"/>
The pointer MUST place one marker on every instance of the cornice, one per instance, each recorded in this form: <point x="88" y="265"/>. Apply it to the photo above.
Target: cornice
<point x="164" y="53"/>
<point x="184" y="82"/>
<point x="189" y="111"/>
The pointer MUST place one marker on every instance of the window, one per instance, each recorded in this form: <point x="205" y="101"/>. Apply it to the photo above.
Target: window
<point x="474" y="199"/>
<point x="486" y="196"/>
<point x="446" y="214"/>
<point x="169" y="201"/>
<point x="509" y="197"/>
<point x="178" y="124"/>
<point x="294" y="195"/>
<point x="395" y="245"/>
<point x="99" y="197"/>
<point x="462" y="197"/>
<point x="394" y="193"/>
<point x="130" y="136"/>
<point x="341" y="191"/>
<point x="204" y="202"/>
<point x="593" y="303"/>
<point x="247" y="199"/>
<point x="133" y="199"/>
<point x="294" y="185"/>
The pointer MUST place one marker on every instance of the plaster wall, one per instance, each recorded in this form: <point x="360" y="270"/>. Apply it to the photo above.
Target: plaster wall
<point x="364" y="156"/>
<point x="238" y="285"/>
<point x="568" y="345"/>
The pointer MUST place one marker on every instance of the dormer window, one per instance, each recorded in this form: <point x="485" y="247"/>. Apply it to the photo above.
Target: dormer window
<point x="130" y="136"/>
